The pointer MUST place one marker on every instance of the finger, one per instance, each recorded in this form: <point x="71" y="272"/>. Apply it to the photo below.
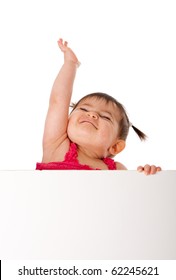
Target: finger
<point x="153" y="169"/>
<point x="147" y="169"/>
<point x="140" y="169"/>
<point x="60" y="41"/>
<point x="62" y="45"/>
<point x="159" y="168"/>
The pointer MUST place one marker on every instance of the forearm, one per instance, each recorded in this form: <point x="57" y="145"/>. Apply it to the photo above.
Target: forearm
<point x="63" y="84"/>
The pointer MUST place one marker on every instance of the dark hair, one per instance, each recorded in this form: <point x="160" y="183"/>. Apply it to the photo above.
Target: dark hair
<point x="124" y="123"/>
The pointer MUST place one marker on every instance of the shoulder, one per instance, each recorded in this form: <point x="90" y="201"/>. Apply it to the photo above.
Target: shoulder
<point x="120" y="166"/>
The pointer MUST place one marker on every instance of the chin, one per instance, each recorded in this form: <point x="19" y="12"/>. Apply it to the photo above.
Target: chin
<point x="79" y="137"/>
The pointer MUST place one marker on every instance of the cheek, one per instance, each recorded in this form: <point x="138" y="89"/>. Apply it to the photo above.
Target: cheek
<point x="70" y="123"/>
<point x="107" y="129"/>
<point x="71" y="119"/>
<point x="70" y="131"/>
<point x="72" y="126"/>
<point x="110" y="132"/>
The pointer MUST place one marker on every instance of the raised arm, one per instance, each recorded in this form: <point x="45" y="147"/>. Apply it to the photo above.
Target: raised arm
<point x="55" y="131"/>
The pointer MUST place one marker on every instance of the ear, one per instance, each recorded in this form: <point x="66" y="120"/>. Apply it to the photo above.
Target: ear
<point x="117" y="147"/>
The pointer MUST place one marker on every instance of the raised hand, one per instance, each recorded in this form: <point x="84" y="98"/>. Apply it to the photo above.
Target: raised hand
<point x="69" y="55"/>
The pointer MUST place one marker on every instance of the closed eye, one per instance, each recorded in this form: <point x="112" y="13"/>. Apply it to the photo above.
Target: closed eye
<point x="83" y="109"/>
<point x="106" y="118"/>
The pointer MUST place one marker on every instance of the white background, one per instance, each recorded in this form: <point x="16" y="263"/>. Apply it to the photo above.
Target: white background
<point x="127" y="49"/>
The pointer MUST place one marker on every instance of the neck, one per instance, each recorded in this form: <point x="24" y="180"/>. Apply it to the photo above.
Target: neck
<point x="87" y="154"/>
<point x="90" y="159"/>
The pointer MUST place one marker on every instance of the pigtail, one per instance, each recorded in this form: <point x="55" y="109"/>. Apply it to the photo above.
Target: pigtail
<point x="141" y="135"/>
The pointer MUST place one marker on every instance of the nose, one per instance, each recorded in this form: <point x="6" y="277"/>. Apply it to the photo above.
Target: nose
<point x="93" y="115"/>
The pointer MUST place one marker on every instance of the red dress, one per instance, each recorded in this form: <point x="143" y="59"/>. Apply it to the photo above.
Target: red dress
<point x="71" y="162"/>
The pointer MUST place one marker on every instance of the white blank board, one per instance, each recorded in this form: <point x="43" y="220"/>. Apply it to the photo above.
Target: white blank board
<point x="87" y="215"/>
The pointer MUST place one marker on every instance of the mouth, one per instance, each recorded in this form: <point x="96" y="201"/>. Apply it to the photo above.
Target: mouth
<point x="87" y="121"/>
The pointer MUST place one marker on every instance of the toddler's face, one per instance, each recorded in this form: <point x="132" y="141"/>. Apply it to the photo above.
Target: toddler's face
<point x="94" y="123"/>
